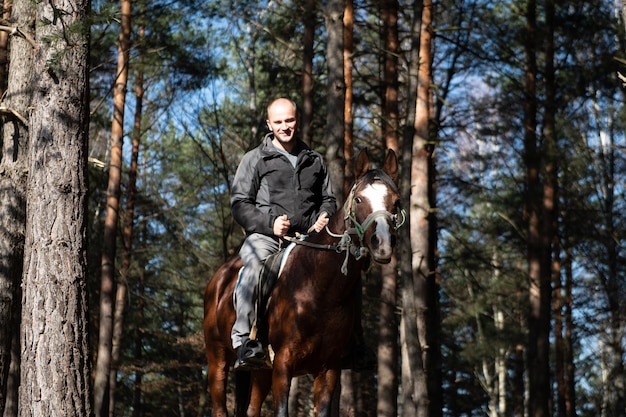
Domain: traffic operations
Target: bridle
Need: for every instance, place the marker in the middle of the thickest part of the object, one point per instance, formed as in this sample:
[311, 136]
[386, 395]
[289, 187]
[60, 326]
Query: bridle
[360, 228]
[354, 227]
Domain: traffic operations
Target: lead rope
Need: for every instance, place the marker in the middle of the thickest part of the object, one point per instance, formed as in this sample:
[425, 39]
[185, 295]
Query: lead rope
[348, 245]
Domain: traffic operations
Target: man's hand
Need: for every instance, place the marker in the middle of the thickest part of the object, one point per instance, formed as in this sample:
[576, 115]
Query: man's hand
[281, 225]
[320, 223]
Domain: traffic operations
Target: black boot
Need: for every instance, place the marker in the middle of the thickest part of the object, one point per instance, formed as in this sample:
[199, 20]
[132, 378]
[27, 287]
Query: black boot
[250, 356]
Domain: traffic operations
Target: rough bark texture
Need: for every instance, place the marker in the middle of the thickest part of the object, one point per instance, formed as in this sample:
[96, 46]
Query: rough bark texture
[55, 372]
[13, 177]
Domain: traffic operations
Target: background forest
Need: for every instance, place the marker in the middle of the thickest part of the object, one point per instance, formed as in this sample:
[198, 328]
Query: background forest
[524, 158]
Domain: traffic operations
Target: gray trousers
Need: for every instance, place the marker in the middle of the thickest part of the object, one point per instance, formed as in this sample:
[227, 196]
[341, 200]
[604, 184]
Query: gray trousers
[256, 247]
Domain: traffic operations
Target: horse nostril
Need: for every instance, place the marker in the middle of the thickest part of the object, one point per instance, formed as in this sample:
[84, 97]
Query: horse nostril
[374, 241]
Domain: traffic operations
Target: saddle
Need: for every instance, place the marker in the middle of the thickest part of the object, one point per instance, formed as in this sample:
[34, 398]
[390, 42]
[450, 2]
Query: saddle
[267, 279]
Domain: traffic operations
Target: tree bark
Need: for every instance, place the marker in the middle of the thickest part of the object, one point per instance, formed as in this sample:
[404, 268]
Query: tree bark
[415, 267]
[387, 404]
[308, 38]
[107, 284]
[127, 233]
[335, 96]
[348, 50]
[56, 367]
[13, 182]
[538, 242]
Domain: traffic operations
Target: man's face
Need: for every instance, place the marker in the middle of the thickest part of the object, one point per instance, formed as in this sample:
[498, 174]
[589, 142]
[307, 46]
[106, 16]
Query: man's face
[281, 120]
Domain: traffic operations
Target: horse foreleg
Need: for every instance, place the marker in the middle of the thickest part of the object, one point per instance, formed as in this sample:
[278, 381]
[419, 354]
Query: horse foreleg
[217, 376]
[323, 389]
[281, 383]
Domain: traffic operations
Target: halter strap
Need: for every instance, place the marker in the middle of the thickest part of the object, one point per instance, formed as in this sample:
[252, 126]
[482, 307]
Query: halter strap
[359, 228]
[346, 243]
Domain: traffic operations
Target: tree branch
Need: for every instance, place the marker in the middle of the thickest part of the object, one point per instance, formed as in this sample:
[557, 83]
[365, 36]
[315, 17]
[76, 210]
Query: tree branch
[8, 110]
[16, 31]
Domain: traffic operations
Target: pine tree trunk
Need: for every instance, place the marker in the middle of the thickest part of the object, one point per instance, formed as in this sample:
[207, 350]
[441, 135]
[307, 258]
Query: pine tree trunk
[413, 378]
[387, 404]
[538, 273]
[335, 96]
[107, 284]
[308, 38]
[348, 50]
[335, 88]
[420, 375]
[55, 372]
[127, 234]
[13, 181]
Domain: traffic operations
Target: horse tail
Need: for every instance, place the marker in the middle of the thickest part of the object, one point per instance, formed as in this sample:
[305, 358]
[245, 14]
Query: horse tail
[242, 392]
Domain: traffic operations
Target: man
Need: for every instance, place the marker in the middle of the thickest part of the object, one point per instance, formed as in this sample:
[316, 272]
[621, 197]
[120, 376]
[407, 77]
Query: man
[281, 188]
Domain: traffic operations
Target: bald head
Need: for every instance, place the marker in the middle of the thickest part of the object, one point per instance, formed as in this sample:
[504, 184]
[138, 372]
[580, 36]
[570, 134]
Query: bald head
[281, 120]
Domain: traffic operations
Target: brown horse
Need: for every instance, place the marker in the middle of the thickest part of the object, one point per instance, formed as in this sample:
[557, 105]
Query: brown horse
[312, 307]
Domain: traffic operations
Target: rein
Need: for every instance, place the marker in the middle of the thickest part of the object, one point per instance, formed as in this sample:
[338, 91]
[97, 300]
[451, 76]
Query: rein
[346, 243]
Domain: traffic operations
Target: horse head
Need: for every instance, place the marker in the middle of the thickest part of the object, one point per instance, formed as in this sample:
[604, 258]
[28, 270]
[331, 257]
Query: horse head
[373, 209]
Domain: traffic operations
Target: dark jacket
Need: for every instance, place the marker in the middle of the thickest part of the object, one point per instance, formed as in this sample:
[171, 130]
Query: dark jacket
[266, 186]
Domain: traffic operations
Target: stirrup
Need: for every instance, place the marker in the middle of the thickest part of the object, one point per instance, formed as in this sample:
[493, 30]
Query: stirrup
[250, 356]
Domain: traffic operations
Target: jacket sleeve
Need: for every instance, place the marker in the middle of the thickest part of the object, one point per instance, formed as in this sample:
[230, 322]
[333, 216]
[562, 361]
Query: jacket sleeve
[243, 197]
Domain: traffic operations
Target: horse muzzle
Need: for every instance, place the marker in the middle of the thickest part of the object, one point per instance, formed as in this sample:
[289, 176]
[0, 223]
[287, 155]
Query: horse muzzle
[381, 245]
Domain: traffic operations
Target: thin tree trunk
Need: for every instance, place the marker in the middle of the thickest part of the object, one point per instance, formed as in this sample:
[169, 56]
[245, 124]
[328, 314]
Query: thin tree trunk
[387, 404]
[107, 285]
[333, 15]
[308, 38]
[56, 366]
[348, 50]
[412, 372]
[13, 181]
[335, 95]
[127, 233]
[419, 269]
[538, 242]
[423, 224]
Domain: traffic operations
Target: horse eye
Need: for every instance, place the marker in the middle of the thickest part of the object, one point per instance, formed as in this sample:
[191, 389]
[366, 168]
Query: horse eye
[358, 200]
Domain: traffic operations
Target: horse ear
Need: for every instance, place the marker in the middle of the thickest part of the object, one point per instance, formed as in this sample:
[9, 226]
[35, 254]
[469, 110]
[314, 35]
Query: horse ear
[362, 163]
[391, 166]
